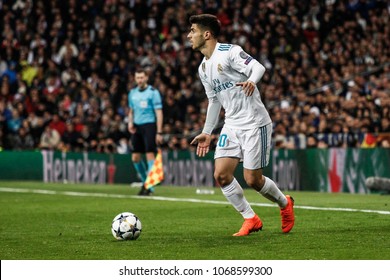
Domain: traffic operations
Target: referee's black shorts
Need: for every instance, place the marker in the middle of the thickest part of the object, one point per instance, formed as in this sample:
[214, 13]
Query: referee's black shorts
[144, 140]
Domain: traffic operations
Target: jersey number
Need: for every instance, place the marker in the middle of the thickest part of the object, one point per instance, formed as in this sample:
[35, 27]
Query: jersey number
[222, 140]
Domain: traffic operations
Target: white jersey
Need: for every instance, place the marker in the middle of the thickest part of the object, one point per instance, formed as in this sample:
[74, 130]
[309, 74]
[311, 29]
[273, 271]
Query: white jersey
[228, 65]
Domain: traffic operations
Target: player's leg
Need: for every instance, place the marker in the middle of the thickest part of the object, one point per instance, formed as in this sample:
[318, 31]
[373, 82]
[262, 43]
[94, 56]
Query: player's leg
[231, 189]
[223, 174]
[138, 149]
[265, 186]
[150, 147]
[227, 157]
[257, 145]
[140, 167]
[149, 138]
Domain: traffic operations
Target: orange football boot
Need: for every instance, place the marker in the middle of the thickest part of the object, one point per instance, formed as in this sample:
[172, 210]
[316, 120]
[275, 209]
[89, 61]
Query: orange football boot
[287, 214]
[250, 225]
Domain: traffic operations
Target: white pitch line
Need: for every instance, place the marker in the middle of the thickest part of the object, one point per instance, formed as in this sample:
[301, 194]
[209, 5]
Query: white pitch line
[193, 200]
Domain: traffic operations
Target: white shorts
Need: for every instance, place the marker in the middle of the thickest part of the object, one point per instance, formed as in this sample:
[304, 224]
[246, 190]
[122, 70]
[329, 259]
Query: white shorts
[250, 146]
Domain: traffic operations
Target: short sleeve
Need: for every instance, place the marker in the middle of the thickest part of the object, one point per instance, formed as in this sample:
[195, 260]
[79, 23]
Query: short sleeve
[157, 102]
[131, 105]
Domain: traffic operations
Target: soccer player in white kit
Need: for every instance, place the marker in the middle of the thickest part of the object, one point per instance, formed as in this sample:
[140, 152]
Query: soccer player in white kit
[229, 76]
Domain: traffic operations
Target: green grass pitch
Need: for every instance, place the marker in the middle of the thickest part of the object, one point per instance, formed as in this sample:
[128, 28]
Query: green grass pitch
[42, 221]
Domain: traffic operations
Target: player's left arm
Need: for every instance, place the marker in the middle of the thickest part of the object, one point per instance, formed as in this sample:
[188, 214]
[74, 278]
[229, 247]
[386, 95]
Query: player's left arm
[247, 65]
[157, 104]
[159, 124]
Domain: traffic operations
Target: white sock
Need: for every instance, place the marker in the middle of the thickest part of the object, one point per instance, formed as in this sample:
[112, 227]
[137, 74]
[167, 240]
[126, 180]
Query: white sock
[235, 195]
[272, 192]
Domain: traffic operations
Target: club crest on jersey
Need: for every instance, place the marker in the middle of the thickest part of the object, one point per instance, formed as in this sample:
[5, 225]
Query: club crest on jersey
[204, 67]
[219, 68]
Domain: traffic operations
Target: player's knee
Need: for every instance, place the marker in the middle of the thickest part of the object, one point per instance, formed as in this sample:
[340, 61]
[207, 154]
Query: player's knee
[222, 178]
[252, 183]
[255, 182]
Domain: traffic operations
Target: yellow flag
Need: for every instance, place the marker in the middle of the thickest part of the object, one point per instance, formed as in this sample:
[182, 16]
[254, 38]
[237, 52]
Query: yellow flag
[156, 174]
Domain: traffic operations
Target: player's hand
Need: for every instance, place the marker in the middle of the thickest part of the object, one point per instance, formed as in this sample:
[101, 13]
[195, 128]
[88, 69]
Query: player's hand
[159, 139]
[248, 87]
[131, 128]
[203, 140]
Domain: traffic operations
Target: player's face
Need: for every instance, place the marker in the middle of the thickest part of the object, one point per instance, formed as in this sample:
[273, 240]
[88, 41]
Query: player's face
[196, 38]
[141, 79]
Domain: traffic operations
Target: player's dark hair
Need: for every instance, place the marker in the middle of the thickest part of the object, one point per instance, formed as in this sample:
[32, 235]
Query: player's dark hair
[141, 70]
[207, 22]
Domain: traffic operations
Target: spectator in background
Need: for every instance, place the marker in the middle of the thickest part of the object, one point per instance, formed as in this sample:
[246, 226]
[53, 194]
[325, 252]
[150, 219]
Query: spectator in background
[67, 52]
[23, 140]
[85, 138]
[50, 139]
[70, 138]
[15, 122]
[312, 141]
[58, 124]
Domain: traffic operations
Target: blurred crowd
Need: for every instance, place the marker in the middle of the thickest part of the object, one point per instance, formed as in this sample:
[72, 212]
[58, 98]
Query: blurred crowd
[66, 68]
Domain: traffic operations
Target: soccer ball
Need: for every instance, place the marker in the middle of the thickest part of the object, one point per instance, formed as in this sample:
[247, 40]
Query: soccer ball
[126, 226]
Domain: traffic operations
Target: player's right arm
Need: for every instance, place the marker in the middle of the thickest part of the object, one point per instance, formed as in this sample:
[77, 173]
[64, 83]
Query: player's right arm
[204, 139]
[212, 116]
[214, 107]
